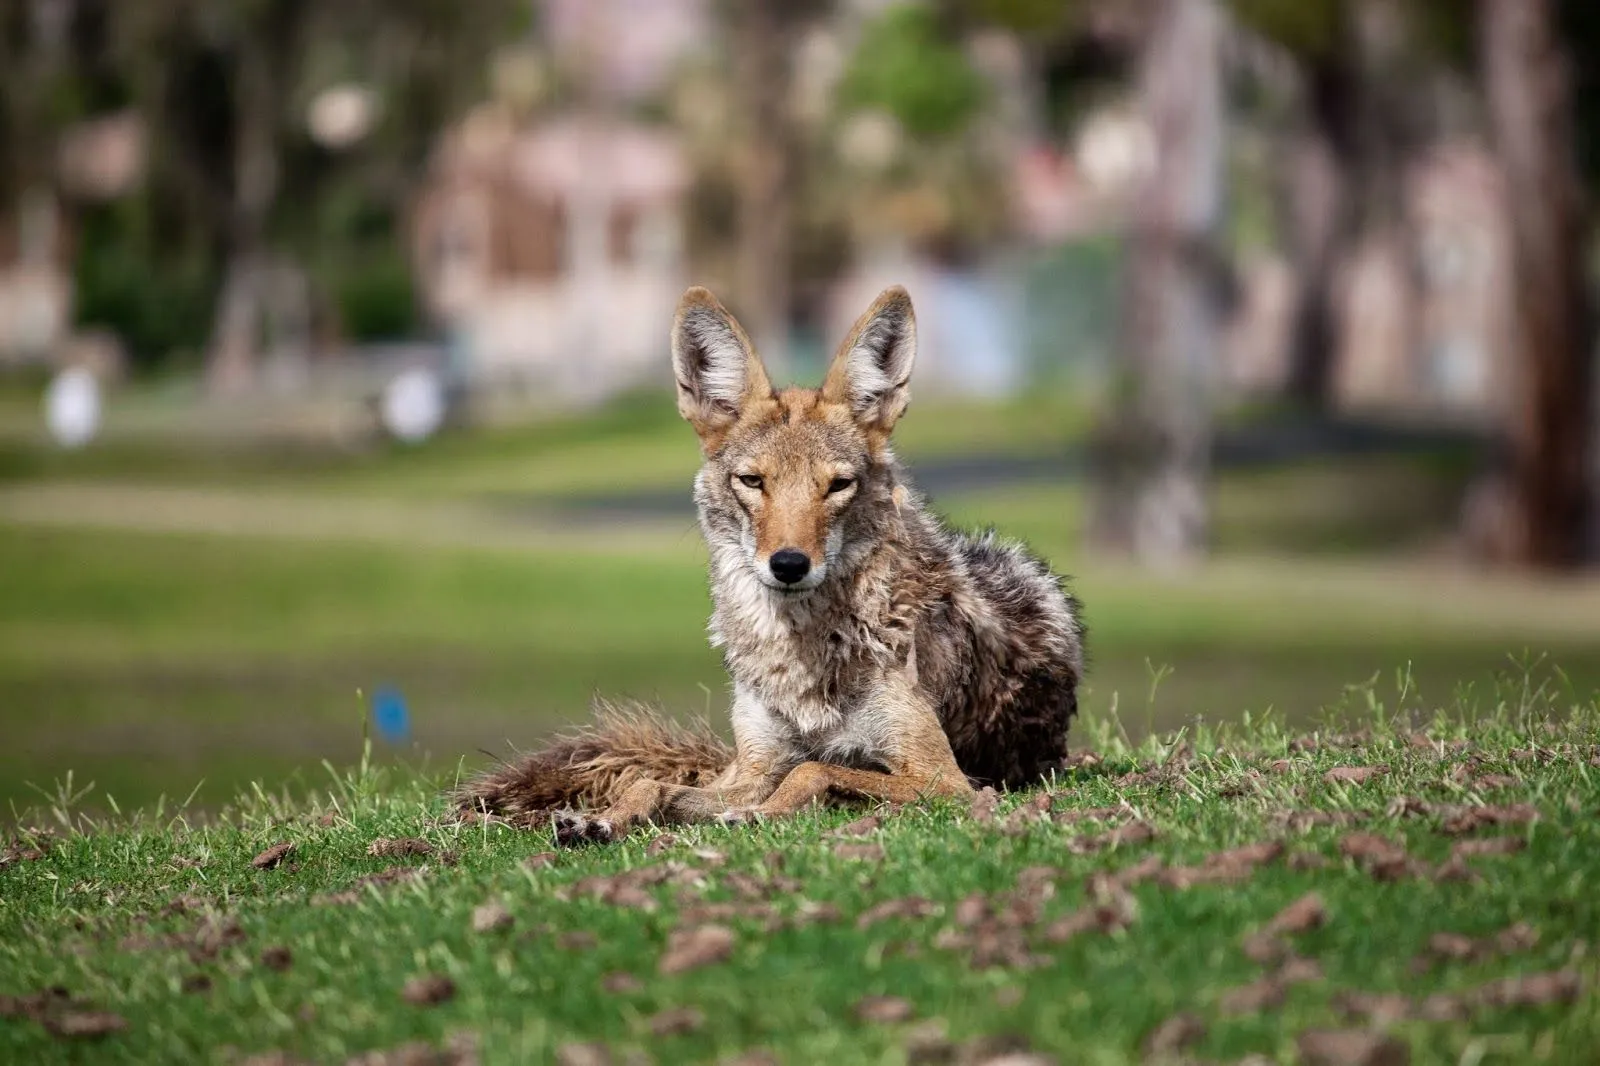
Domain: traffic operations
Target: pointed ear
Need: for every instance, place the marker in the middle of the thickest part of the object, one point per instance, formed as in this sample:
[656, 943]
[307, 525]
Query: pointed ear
[871, 369]
[715, 367]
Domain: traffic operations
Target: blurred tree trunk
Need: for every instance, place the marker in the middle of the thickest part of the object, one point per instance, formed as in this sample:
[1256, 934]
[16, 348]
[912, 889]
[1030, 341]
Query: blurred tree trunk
[1155, 450]
[1346, 184]
[1546, 494]
[765, 174]
[238, 334]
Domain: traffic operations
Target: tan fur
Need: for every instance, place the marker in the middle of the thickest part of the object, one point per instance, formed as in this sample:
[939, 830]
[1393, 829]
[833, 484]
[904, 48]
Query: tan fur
[595, 765]
[899, 657]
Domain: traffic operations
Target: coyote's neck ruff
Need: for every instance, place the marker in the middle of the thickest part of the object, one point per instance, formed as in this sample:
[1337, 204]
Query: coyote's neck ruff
[873, 652]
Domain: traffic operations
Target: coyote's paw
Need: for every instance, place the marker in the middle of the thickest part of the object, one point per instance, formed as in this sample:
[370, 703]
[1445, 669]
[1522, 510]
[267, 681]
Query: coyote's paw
[574, 829]
[739, 816]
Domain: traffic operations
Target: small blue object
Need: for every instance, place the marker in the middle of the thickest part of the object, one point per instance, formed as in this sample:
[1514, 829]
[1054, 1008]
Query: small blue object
[390, 715]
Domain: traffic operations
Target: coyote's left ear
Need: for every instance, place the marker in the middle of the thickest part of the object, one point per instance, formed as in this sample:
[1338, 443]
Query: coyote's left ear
[873, 365]
[716, 368]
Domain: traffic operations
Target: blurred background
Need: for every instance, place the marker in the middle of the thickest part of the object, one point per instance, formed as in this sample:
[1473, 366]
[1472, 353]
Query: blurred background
[334, 386]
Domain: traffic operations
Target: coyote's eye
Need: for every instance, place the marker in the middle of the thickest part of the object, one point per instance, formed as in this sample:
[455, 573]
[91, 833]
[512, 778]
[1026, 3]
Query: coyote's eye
[840, 484]
[750, 481]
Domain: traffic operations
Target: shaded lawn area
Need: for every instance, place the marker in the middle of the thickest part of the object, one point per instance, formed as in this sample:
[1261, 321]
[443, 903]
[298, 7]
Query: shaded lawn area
[1424, 885]
[145, 663]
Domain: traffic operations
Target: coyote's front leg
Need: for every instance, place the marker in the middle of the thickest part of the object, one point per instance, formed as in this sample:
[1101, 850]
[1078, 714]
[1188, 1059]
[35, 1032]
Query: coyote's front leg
[916, 750]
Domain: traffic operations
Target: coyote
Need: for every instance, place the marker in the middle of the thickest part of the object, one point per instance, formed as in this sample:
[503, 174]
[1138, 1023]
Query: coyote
[874, 653]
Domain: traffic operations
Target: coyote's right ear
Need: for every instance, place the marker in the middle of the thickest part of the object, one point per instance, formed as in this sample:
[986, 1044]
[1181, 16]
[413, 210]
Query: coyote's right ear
[716, 368]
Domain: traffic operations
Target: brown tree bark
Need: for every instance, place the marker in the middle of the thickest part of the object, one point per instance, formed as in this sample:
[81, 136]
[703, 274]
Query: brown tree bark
[1155, 453]
[1546, 493]
[1346, 179]
[765, 172]
[237, 333]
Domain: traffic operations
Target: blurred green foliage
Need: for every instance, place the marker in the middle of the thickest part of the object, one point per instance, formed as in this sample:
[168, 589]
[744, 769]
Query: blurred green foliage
[906, 65]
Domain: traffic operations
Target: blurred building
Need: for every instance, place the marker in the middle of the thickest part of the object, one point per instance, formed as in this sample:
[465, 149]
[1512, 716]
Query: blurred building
[35, 281]
[552, 253]
[97, 160]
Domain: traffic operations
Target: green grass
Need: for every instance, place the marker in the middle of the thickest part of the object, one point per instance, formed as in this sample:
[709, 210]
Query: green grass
[96, 914]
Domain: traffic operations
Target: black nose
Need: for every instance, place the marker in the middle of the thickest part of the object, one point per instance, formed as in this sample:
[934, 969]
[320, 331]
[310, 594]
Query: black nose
[789, 565]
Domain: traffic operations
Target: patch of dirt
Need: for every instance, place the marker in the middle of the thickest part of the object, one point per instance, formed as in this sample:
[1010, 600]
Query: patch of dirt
[676, 1020]
[1307, 912]
[1384, 859]
[460, 1049]
[278, 958]
[213, 935]
[1456, 947]
[860, 827]
[703, 945]
[1537, 989]
[985, 806]
[627, 889]
[1353, 775]
[884, 1010]
[1030, 813]
[1178, 1033]
[759, 911]
[1123, 836]
[274, 855]
[1351, 1047]
[491, 917]
[1226, 867]
[1473, 849]
[1301, 821]
[1270, 991]
[539, 861]
[1380, 1009]
[621, 983]
[661, 843]
[61, 1014]
[583, 1055]
[399, 847]
[1470, 819]
[907, 907]
[860, 852]
[1246, 784]
[1074, 815]
[356, 891]
[428, 990]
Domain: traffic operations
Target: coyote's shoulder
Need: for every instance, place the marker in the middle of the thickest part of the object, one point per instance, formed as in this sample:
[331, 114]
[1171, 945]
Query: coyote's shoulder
[873, 651]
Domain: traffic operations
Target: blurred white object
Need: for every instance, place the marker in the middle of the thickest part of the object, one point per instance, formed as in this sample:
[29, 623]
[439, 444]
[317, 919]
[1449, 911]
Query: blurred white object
[72, 407]
[413, 405]
[1115, 150]
[342, 115]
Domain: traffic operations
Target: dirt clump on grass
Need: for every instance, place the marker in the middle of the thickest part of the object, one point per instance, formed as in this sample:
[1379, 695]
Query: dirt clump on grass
[884, 1010]
[676, 1020]
[277, 958]
[62, 1014]
[689, 949]
[1178, 1033]
[1351, 1047]
[272, 857]
[356, 891]
[428, 990]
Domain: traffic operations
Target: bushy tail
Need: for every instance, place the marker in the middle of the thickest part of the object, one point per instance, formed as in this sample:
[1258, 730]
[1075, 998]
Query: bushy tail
[594, 765]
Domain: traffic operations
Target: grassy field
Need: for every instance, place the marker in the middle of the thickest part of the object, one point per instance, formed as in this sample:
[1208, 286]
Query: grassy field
[1313, 895]
[176, 616]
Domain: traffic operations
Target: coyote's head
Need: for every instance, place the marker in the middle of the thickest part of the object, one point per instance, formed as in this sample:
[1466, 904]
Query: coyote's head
[795, 478]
